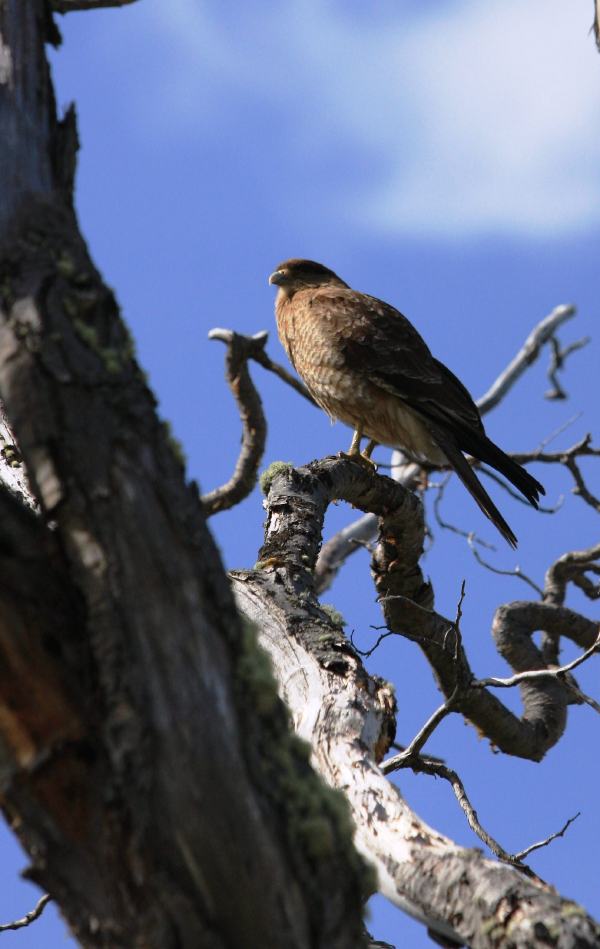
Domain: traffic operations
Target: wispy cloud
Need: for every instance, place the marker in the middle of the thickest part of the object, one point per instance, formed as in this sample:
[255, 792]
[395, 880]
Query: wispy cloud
[460, 117]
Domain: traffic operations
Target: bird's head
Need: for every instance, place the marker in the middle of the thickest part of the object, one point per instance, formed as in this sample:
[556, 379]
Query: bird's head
[296, 274]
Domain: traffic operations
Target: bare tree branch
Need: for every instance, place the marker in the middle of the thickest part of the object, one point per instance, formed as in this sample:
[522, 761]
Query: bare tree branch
[282, 373]
[545, 699]
[425, 765]
[366, 653]
[256, 351]
[559, 356]
[531, 674]
[596, 24]
[241, 349]
[254, 426]
[338, 548]
[571, 568]
[413, 750]
[529, 352]
[541, 508]
[515, 572]
[30, 917]
[451, 704]
[356, 535]
[376, 943]
[567, 458]
[547, 840]
[581, 698]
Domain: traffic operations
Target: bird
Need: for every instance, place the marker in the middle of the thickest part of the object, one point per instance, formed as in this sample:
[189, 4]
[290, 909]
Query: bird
[366, 365]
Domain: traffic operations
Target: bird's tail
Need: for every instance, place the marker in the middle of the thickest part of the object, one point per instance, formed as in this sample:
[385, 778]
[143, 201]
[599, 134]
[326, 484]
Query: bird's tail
[489, 453]
[476, 489]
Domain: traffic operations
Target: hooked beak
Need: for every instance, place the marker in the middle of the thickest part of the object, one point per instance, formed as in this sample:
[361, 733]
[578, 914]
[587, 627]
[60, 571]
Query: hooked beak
[277, 277]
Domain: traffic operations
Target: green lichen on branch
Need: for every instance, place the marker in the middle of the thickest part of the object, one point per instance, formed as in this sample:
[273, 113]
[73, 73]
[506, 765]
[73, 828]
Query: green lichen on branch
[315, 818]
[255, 672]
[267, 477]
[112, 359]
[334, 615]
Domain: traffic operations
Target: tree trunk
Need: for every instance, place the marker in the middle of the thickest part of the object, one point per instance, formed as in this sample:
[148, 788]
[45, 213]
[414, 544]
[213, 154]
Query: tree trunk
[146, 760]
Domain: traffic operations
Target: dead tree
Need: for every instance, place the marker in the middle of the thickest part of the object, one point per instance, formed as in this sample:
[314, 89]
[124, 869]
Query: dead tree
[147, 762]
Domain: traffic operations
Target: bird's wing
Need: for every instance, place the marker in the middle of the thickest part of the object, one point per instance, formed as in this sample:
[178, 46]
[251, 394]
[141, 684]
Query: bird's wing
[380, 343]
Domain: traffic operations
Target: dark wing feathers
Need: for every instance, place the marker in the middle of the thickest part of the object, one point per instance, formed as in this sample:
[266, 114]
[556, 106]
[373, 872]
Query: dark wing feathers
[379, 341]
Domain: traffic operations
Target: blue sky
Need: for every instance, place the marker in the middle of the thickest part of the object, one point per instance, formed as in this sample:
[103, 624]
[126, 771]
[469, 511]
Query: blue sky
[443, 156]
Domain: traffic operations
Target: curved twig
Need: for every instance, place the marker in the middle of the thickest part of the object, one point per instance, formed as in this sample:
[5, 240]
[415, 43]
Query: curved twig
[571, 568]
[240, 349]
[557, 362]
[29, 917]
[568, 458]
[425, 765]
[547, 840]
[515, 572]
[254, 426]
[531, 674]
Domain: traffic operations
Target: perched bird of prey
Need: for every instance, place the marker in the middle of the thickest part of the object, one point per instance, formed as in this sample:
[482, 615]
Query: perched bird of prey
[365, 364]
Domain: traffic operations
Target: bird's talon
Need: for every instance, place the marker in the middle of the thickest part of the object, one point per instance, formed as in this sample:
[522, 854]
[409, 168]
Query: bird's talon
[367, 458]
[360, 457]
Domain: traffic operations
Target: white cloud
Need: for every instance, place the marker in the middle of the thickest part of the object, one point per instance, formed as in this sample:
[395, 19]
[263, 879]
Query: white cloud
[474, 117]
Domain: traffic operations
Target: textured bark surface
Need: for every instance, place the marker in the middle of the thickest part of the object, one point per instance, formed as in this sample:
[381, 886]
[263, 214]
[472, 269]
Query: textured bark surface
[146, 760]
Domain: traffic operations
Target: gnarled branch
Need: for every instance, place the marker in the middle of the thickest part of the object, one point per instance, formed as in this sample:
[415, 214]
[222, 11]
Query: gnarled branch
[348, 718]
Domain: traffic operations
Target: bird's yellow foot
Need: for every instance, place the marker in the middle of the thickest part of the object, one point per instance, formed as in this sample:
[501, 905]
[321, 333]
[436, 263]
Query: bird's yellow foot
[360, 457]
[368, 451]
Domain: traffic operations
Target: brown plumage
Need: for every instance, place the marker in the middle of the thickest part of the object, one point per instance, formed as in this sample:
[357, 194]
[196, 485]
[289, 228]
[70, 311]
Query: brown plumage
[365, 364]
